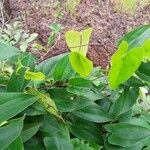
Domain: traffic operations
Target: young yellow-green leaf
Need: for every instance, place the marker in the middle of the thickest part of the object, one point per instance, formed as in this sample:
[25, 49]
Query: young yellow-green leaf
[116, 64]
[85, 38]
[147, 48]
[131, 62]
[80, 64]
[78, 41]
[34, 76]
[124, 64]
[73, 40]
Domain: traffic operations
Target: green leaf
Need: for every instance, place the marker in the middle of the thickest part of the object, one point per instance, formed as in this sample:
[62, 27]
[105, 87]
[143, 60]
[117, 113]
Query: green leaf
[78, 41]
[55, 27]
[56, 143]
[124, 103]
[134, 82]
[34, 144]
[13, 103]
[30, 130]
[147, 48]
[52, 39]
[124, 66]
[136, 37]
[48, 104]
[15, 145]
[86, 130]
[48, 66]
[10, 132]
[126, 134]
[7, 51]
[35, 76]
[93, 113]
[90, 93]
[17, 81]
[80, 64]
[67, 102]
[110, 146]
[63, 69]
[52, 127]
[144, 71]
[80, 82]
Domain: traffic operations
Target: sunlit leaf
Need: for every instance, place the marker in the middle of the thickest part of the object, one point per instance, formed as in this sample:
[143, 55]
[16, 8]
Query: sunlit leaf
[80, 64]
[34, 76]
[78, 41]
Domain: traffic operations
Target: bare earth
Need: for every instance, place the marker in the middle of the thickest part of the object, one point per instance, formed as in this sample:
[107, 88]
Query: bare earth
[108, 25]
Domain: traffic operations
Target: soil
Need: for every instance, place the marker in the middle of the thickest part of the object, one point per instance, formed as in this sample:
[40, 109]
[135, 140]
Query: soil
[108, 24]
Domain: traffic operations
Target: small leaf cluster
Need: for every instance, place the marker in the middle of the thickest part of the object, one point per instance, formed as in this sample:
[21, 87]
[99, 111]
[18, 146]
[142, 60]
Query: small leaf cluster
[64, 103]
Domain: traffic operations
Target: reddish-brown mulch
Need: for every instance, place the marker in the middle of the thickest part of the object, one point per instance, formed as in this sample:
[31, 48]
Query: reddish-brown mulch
[108, 25]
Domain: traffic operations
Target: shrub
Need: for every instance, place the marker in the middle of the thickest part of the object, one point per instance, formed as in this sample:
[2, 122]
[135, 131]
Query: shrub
[63, 103]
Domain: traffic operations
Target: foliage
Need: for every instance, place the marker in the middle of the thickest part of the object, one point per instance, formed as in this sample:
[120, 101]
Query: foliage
[16, 36]
[63, 103]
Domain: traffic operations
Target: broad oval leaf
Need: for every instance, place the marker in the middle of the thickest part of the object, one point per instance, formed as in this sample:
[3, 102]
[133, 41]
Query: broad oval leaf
[93, 113]
[10, 132]
[80, 64]
[128, 131]
[13, 103]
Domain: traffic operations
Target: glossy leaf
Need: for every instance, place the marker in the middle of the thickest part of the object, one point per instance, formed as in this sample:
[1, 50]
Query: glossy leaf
[126, 134]
[93, 113]
[137, 37]
[80, 64]
[13, 103]
[10, 132]
[85, 130]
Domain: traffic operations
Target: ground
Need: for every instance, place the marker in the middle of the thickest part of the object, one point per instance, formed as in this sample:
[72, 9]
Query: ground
[108, 24]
